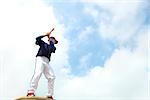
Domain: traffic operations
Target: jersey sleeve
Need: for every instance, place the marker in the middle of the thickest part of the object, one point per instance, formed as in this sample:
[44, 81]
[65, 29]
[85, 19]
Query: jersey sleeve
[39, 40]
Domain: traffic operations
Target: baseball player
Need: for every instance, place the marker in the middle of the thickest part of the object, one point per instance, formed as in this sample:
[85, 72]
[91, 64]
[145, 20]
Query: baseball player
[43, 66]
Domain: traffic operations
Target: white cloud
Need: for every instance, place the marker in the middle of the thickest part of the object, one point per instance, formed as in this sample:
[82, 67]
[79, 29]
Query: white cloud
[21, 21]
[118, 18]
[110, 1]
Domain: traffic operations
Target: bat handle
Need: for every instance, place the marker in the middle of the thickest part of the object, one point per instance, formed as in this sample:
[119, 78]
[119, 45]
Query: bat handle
[50, 32]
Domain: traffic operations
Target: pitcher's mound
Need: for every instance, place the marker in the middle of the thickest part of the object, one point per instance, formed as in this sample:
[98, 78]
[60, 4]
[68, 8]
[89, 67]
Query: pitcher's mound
[32, 98]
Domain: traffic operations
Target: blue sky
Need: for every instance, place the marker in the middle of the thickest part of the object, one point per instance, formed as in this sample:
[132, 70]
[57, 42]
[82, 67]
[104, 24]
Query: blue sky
[74, 17]
[103, 45]
[76, 20]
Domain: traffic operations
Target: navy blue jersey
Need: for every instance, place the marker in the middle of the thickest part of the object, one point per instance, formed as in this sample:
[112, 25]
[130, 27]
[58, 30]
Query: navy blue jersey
[45, 49]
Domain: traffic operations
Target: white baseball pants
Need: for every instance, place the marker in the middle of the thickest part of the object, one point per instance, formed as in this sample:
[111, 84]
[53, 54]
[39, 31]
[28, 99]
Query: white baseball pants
[43, 66]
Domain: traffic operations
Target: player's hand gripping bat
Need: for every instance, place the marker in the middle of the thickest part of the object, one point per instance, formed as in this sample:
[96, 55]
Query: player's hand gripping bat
[49, 33]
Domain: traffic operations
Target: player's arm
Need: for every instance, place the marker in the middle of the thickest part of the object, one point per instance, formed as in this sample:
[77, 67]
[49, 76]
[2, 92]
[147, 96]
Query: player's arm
[39, 40]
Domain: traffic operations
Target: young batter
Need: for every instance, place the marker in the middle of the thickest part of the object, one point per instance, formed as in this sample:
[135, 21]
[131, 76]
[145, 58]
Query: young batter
[43, 66]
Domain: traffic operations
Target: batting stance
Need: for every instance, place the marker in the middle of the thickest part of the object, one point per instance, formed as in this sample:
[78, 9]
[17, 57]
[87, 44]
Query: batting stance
[43, 66]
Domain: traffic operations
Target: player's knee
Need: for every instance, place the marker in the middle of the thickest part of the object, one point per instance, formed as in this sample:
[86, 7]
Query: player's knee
[51, 77]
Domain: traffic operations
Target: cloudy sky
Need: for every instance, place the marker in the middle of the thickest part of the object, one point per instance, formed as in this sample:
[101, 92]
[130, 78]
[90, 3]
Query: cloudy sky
[102, 54]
